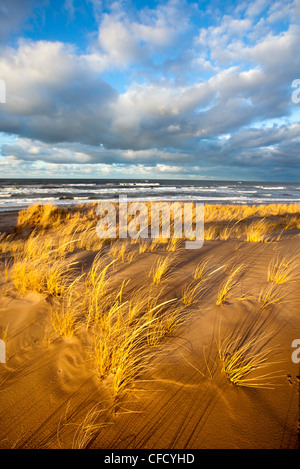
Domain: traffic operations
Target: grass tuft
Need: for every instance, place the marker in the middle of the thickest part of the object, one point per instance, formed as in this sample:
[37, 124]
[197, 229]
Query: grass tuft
[243, 364]
[227, 287]
[269, 295]
[280, 270]
[161, 268]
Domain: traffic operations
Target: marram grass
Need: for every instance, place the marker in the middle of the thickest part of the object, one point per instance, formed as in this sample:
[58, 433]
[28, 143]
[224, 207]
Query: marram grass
[225, 289]
[280, 270]
[245, 362]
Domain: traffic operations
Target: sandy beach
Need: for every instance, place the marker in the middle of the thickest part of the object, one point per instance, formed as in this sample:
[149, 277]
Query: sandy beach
[150, 228]
[210, 367]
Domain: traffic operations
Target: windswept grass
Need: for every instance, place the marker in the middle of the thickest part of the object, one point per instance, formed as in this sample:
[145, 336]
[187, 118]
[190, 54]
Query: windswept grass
[225, 233]
[120, 250]
[243, 364]
[269, 295]
[124, 338]
[130, 358]
[39, 215]
[173, 244]
[133, 349]
[88, 428]
[66, 312]
[143, 246]
[41, 275]
[102, 351]
[201, 269]
[154, 244]
[210, 232]
[161, 268]
[227, 286]
[192, 292]
[162, 319]
[293, 223]
[64, 317]
[97, 291]
[280, 270]
[126, 326]
[127, 331]
[259, 231]
[218, 212]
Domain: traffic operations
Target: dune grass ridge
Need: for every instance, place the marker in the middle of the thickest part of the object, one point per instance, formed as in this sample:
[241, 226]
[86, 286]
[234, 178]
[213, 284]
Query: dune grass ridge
[124, 303]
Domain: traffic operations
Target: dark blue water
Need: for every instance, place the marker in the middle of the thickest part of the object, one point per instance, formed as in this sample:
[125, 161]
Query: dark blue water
[19, 193]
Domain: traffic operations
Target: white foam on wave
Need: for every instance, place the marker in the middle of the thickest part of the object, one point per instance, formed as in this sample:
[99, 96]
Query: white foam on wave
[271, 188]
[20, 196]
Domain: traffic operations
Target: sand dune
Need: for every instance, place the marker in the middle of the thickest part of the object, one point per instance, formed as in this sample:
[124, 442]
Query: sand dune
[51, 396]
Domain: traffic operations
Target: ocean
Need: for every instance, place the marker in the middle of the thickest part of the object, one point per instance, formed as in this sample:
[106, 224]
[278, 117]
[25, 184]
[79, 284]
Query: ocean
[16, 194]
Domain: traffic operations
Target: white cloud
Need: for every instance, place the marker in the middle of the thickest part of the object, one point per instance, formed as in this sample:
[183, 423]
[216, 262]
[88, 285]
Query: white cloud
[123, 40]
[256, 7]
[117, 42]
[64, 112]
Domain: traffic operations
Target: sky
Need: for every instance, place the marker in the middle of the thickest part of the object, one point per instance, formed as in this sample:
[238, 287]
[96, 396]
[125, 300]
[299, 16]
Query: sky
[172, 89]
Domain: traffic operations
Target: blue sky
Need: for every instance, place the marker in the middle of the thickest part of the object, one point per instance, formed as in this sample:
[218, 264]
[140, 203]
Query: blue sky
[158, 89]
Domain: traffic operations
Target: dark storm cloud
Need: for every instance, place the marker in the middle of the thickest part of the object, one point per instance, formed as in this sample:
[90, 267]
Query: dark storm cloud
[14, 14]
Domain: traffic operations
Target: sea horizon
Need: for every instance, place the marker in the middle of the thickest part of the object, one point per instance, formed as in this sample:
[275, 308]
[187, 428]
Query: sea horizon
[19, 193]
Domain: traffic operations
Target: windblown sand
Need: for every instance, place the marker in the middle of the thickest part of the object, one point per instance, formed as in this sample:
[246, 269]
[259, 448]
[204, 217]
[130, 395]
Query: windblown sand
[184, 400]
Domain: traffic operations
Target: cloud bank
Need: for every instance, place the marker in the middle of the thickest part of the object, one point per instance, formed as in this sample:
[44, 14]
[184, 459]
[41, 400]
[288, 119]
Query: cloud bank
[171, 90]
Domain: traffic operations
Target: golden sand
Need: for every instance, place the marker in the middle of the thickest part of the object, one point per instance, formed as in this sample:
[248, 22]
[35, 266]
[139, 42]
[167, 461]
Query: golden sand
[146, 344]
